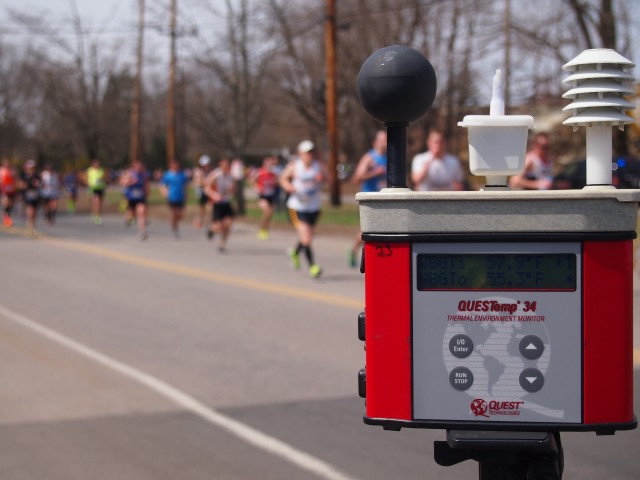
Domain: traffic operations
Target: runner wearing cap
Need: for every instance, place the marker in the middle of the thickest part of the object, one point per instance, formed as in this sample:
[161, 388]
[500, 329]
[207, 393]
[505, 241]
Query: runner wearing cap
[303, 179]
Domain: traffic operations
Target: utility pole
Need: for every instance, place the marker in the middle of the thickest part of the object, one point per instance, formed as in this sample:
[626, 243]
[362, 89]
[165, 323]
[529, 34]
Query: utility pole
[171, 93]
[331, 101]
[135, 143]
[507, 55]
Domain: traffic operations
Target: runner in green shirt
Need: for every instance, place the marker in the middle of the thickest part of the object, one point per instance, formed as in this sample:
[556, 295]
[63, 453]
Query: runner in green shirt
[97, 182]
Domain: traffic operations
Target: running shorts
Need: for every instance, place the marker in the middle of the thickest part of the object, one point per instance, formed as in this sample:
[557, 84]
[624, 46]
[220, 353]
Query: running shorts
[222, 210]
[310, 218]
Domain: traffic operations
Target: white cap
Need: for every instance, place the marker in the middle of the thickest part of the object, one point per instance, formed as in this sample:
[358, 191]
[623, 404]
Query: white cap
[204, 160]
[306, 146]
[30, 163]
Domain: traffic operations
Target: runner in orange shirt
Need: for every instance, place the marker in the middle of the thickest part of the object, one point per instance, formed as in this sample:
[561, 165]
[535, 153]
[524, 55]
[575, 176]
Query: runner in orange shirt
[8, 192]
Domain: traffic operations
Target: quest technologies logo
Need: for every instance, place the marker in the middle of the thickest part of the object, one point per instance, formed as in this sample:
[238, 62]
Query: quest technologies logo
[482, 408]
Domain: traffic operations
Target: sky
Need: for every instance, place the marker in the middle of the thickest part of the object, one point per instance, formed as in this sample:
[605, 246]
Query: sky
[112, 20]
[115, 21]
[111, 14]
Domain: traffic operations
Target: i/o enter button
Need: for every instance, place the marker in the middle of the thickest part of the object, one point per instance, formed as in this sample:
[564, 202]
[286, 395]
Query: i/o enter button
[460, 346]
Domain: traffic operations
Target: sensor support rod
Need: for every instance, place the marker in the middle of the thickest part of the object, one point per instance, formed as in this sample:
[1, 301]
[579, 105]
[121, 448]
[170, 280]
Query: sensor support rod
[599, 154]
[396, 154]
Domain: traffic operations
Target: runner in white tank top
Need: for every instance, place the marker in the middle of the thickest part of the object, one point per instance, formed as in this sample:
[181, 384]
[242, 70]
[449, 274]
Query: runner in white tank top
[303, 179]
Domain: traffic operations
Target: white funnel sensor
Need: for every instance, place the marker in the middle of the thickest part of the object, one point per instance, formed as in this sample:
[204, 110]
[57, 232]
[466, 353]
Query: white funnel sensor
[599, 80]
[497, 142]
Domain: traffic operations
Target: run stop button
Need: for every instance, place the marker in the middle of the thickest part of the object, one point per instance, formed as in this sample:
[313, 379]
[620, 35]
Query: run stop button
[461, 378]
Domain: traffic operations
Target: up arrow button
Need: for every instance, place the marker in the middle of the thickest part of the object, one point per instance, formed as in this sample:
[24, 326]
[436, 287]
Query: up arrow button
[531, 347]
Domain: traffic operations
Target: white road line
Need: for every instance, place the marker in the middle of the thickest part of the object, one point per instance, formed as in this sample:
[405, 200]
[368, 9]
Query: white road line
[245, 432]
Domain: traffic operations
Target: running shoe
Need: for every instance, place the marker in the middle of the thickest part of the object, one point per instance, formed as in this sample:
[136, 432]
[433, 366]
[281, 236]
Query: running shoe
[315, 270]
[144, 236]
[295, 259]
[209, 235]
[97, 220]
[6, 220]
[263, 234]
[351, 256]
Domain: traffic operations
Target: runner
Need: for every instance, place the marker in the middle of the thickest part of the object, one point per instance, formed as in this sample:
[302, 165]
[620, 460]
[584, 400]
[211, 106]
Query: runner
[220, 188]
[71, 184]
[303, 179]
[371, 174]
[200, 175]
[136, 188]
[8, 192]
[173, 186]
[266, 181]
[29, 187]
[49, 193]
[96, 180]
[238, 174]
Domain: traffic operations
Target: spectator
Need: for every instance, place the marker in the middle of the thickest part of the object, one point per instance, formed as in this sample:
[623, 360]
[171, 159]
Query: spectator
[537, 173]
[436, 170]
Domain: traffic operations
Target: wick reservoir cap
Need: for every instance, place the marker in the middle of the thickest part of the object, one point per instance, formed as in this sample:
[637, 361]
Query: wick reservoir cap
[496, 107]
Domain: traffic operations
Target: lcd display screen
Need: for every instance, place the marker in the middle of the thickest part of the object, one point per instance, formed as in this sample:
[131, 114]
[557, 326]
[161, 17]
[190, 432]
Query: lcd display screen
[501, 272]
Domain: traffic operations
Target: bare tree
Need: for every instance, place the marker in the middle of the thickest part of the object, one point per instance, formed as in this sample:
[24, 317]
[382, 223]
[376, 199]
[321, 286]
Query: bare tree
[230, 91]
[256, 78]
[14, 87]
[449, 33]
[560, 31]
[298, 29]
[73, 80]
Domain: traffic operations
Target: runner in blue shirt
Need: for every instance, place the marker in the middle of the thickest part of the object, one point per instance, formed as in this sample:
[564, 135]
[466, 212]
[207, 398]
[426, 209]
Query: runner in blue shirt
[174, 182]
[136, 188]
[371, 173]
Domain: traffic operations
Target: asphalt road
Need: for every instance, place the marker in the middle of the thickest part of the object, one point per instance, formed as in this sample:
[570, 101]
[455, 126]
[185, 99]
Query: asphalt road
[122, 359]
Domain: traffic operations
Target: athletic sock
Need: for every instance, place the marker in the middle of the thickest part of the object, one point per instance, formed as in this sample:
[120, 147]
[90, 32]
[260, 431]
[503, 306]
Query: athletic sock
[309, 254]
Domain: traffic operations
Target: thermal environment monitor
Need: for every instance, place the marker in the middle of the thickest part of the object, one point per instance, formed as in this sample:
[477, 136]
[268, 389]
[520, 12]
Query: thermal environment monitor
[498, 310]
